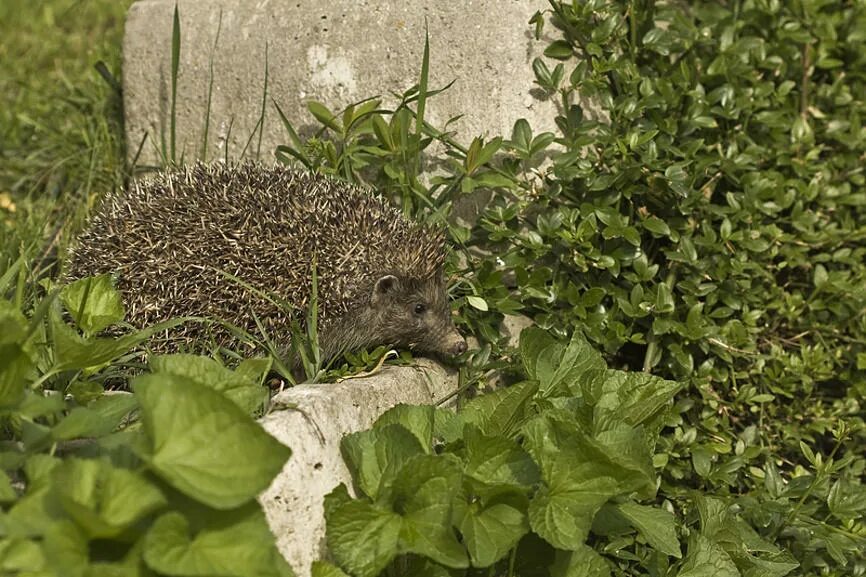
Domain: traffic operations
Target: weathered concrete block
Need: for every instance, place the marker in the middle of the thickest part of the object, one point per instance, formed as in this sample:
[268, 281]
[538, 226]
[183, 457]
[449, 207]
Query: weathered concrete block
[337, 52]
[317, 417]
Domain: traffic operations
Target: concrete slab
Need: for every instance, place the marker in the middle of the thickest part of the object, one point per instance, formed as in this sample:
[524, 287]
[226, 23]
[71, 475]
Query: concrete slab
[315, 419]
[337, 52]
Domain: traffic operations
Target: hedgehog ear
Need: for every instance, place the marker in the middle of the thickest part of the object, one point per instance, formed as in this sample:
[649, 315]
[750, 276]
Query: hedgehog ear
[385, 286]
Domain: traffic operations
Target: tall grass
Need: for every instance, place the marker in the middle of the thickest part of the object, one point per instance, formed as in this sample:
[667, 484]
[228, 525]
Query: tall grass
[61, 122]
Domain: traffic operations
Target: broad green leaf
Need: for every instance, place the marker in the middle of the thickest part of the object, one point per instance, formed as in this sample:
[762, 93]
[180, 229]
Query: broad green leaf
[447, 425]
[67, 550]
[490, 533]
[21, 556]
[577, 361]
[580, 475]
[72, 351]
[114, 406]
[423, 493]
[582, 562]
[325, 569]
[240, 544]
[82, 422]
[104, 500]
[499, 412]
[634, 397]
[417, 419]
[93, 303]
[656, 525]
[707, 559]
[254, 370]
[245, 390]
[563, 515]
[497, 460]
[33, 514]
[15, 368]
[203, 444]
[375, 456]
[15, 363]
[558, 367]
[533, 341]
[362, 537]
[521, 135]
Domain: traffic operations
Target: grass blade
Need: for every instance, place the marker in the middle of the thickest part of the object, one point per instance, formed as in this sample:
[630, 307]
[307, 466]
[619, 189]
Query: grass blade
[175, 66]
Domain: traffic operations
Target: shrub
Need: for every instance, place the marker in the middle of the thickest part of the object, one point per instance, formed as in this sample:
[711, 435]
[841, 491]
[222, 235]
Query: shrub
[701, 218]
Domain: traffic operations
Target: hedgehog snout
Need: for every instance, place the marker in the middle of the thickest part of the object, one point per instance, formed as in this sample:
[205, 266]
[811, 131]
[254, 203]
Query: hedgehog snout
[455, 344]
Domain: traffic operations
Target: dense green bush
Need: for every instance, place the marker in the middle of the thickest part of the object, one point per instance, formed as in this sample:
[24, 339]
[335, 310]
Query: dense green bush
[700, 217]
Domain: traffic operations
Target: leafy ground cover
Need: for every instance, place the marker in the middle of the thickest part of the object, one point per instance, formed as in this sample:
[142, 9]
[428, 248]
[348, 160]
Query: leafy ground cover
[690, 243]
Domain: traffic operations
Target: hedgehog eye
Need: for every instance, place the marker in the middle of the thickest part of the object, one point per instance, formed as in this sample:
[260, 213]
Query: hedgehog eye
[420, 308]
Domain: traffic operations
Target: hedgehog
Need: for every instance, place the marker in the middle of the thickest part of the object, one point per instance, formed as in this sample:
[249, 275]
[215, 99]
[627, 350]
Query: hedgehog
[237, 243]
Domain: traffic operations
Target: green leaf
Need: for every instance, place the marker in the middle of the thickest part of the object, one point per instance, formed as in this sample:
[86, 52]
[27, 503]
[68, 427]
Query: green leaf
[7, 493]
[656, 525]
[242, 386]
[558, 367]
[362, 537]
[580, 474]
[664, 299]
[578, 360]
[15, 363]
[66, 548]
[71, 351]
[15, 367]
[820, 276]
[93, 303]
[657, 226]
[325, 569]
[582, 562]
[501, 411]
[237, 543]
[634, 397]
[559, 49]
[423, 492]
[497, 460]
[417, 419]
[707, 559]
[104, 500]
[490, 533]
[521, 135]
[477, 302]
[375, 456]
[323, 115]
[563, 515]
[21, 556]
[203, 444]
[82, 422]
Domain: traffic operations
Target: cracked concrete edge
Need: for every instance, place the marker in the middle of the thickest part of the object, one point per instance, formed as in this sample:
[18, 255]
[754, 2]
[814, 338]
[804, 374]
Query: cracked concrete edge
[314, 421]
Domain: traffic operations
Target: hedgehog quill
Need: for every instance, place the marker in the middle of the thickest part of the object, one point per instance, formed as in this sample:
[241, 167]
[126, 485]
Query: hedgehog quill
[174, 243]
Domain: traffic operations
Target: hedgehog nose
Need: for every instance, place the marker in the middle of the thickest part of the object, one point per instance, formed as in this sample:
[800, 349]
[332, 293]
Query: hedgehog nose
[459, 347]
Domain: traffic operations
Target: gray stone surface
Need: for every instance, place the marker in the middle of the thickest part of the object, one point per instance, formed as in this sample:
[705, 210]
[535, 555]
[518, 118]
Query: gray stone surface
[316, 417]
[336, 52]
